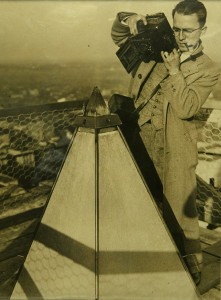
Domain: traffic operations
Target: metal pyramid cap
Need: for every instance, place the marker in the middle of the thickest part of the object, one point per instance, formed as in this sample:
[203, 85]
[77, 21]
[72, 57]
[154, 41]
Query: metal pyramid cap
[97, 114]
[96, 105]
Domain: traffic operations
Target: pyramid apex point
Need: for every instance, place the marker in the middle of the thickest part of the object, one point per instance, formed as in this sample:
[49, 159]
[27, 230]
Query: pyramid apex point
[96, 104]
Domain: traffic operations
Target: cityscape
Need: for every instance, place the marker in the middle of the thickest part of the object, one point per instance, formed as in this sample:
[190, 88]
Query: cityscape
[41, 84]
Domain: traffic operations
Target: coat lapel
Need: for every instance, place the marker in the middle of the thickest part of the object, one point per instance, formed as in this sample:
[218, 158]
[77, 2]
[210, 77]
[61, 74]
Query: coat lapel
[158, 74]
[143, 71]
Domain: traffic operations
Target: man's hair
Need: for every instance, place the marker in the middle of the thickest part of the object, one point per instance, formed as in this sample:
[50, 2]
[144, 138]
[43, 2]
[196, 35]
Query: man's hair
[189, 7]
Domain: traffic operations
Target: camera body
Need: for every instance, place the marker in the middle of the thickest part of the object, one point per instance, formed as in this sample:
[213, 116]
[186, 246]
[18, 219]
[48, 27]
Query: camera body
[151, 39]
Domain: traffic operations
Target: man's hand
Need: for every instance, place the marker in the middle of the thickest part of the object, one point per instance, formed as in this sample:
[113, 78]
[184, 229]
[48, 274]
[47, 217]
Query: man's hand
[171, 61]
[132, 22]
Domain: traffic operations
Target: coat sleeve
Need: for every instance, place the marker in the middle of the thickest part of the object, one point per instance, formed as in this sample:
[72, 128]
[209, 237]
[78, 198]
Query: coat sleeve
[119, 31]
[187, 99]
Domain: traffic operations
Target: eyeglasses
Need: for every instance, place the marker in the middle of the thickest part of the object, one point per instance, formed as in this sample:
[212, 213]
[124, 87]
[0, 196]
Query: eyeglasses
[185, 31]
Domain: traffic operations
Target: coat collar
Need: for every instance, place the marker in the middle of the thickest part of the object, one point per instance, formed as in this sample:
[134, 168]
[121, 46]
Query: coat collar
[193, 55]
[191, 64]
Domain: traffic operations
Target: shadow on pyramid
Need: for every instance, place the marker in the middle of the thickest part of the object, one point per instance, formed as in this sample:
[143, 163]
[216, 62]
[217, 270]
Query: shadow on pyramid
[102, 236]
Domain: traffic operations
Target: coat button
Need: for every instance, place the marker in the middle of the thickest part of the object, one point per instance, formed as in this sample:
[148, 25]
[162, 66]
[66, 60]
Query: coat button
[139, 76]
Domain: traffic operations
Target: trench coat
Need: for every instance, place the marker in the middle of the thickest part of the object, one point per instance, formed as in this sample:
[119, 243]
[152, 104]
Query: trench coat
[182, 95]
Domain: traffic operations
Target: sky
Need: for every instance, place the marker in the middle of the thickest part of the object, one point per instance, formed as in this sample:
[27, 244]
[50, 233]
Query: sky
[64, 31]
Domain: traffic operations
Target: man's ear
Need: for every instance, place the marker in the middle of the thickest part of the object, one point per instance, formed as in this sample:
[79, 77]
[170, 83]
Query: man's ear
[203, 30]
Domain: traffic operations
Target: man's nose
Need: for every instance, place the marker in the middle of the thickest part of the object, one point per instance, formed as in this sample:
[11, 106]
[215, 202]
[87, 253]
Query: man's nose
[181, 35]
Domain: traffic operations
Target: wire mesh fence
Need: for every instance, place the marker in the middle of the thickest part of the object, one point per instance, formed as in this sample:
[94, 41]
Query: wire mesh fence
[208, 122]
[33, 144]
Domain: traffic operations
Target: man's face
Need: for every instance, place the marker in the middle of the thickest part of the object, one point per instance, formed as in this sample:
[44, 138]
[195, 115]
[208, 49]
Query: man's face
[187, 31]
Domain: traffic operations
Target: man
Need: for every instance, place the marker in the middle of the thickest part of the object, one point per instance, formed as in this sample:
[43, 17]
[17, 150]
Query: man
[184, 80]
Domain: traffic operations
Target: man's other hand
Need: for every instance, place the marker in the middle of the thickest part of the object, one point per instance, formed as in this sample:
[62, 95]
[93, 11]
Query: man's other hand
[132, 22]
[171, 61]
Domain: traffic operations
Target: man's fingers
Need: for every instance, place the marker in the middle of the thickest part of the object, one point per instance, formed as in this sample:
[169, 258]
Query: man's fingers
[132, 23]
[133, 29]
[163, 55]
[141, 18]
[170, 56]
[144, 19]
[175, 52]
